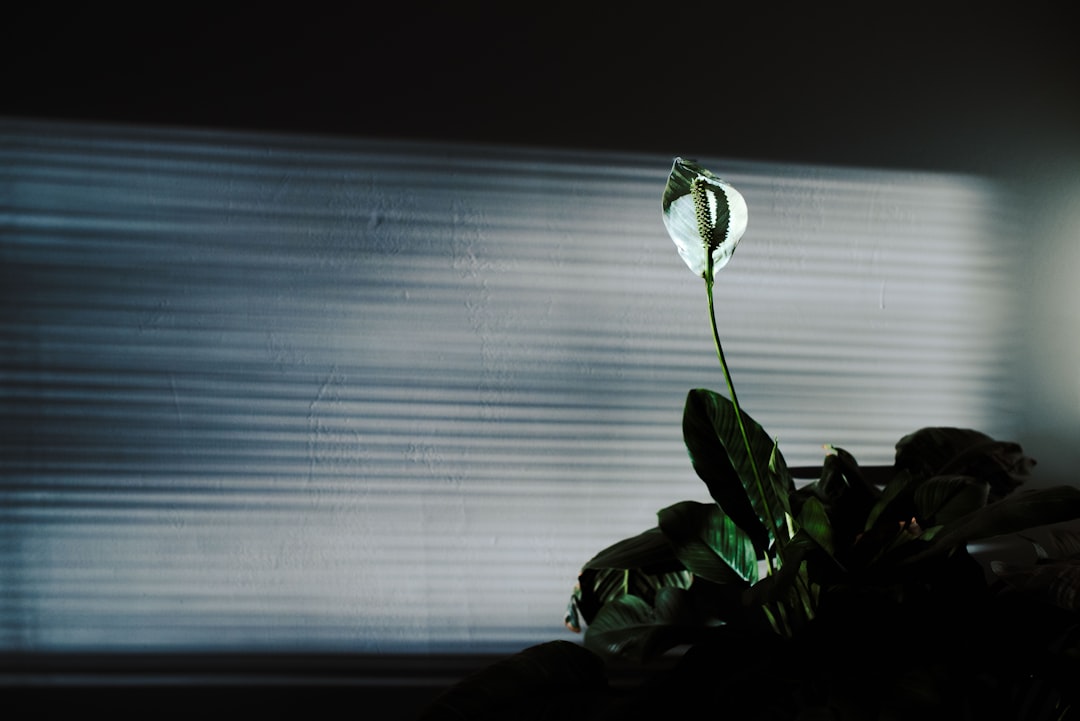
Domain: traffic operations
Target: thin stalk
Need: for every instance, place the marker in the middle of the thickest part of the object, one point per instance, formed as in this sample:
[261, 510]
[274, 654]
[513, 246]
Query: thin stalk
[735, 405]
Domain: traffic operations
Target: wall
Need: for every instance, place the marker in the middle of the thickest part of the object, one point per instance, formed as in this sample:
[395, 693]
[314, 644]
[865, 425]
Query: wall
[1050, 369]
[280, 393]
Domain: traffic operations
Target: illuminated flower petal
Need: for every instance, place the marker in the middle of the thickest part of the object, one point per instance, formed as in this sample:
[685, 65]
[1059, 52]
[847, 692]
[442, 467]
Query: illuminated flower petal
[703, 214]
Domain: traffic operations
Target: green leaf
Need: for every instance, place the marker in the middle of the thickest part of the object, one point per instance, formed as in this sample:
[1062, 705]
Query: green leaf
[599, 586]
[718, 454]
[846, 495]
[895, 503]
[1062, 544]
[639, 565]
[1056, 581]
[780, 477]
[789, 596]
[814, 521]
[630, 628]
[1018, 512]
[942, 499]
[947, 451]
[649, 551]
[928, 451]
[709, 543]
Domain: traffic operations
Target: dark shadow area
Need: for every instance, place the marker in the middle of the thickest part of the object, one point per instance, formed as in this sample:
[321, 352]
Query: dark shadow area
[935, 87]
[223, 686]
[220, 701]
[230, 686]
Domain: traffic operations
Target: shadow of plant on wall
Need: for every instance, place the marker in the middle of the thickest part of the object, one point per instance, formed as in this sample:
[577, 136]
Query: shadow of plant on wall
[853, 596]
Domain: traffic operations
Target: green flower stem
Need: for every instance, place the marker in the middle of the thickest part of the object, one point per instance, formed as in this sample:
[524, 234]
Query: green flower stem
[735, 404]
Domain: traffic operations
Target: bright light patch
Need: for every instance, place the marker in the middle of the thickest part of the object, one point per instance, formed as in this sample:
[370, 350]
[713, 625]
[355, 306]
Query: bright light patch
[280, 393]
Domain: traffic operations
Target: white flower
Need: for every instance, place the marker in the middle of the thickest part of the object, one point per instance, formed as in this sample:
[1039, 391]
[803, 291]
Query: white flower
[703, 214]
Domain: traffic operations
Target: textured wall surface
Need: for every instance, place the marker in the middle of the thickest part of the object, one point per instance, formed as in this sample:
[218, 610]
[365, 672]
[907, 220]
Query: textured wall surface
[263, 392]
[1050, 367]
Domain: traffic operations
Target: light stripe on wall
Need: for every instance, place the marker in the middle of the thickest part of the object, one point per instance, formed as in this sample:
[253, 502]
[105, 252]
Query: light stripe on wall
[296, 394]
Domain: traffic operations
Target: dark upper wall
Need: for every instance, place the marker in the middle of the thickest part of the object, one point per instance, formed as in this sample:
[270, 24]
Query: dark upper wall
[978, 91]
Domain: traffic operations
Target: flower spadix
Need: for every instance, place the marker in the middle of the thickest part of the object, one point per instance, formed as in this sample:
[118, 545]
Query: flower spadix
[704, 215]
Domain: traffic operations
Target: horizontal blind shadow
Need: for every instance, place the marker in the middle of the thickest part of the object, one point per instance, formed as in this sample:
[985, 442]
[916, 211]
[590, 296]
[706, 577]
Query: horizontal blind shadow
[283, 394]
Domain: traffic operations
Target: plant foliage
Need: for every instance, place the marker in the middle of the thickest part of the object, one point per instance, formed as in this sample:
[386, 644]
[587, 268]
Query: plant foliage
[853, 596]
[863, 573]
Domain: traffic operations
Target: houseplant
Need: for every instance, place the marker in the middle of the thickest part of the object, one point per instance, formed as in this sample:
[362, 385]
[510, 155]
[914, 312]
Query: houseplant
[853, 596]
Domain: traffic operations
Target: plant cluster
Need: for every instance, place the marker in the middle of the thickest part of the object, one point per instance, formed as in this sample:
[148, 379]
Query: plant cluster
[850, 596]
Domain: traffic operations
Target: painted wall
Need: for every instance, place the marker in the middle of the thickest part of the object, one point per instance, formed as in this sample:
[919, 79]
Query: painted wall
[268, 392]
[1051, 359]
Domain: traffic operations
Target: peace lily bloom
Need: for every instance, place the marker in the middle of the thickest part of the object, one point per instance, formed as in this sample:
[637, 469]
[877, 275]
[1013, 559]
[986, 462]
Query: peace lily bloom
[704, 215]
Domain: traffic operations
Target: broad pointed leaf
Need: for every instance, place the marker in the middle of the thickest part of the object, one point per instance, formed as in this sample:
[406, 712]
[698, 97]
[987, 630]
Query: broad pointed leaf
[942, 499]
[788, 597]
[1056, 581]
[650, 551]
[599, 586]
[718, 453]
[814, 521]
[847, 497]
[1016, 513]
[1062, 544]
[781, 477]
[961, 451]
[630, 628]
[709, 543]
[637, 565]
[895, 503]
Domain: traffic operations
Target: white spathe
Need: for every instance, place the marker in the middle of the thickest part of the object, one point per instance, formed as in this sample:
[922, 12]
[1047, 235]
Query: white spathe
[702, 212]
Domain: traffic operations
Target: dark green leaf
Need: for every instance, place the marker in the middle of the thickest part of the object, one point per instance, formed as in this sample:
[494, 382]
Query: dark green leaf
[672, 607]
[630, 628]
[1016, 513]
[780, 477]
[1062, 544]
[896, 503]
[719, 456]
[1056, 581]
[846, 495]
[950, 451]
[709, 543]
[649, 551]
[927, 451]
[814, 521]
[599, 586]
[788, 596]
[942, 499]
[638, 565]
